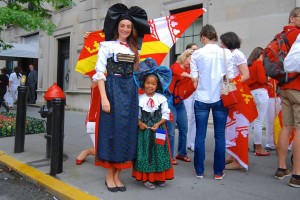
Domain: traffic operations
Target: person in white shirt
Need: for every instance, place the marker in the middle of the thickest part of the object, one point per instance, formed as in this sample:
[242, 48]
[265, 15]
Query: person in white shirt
[14, 83]
[208, 66]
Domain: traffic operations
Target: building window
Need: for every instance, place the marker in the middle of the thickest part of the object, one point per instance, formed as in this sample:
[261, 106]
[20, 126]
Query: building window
[190, 35]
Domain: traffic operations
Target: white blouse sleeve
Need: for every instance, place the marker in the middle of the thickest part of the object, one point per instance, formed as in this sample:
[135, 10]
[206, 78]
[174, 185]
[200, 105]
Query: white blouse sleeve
[103, 54]
[194, 69]
[165, 111]
[140, 113]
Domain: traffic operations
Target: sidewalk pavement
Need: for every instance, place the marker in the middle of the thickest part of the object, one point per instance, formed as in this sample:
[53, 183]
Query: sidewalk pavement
[86, 181]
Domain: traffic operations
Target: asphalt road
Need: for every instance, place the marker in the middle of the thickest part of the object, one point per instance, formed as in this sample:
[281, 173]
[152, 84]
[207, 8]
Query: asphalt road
[15, 187]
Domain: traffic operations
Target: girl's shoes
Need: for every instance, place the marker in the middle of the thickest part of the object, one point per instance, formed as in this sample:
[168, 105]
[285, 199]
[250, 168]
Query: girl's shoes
[174, 162]
[149, 185]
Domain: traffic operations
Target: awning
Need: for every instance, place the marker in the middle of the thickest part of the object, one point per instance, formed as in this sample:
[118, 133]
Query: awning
[21, 51]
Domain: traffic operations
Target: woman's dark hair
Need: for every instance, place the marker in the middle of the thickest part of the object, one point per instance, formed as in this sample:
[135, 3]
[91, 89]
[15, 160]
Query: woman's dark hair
[231, 40]
[4, 70]
[256, 52]
[210, 32]
[17, 71]
[159, 87]
[189, 46]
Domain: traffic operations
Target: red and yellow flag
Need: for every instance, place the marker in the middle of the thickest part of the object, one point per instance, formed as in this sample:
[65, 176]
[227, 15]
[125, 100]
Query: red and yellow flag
[247, 105]
[165, 31]
[88, 56]
[277, 129]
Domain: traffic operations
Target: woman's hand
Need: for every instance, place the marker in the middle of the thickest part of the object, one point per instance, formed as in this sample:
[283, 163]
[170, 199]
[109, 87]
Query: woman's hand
[105, 105]
[142, 125]
[86, 34]
[155, 126]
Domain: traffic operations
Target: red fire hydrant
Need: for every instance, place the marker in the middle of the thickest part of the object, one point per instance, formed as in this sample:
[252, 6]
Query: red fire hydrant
[55, 112]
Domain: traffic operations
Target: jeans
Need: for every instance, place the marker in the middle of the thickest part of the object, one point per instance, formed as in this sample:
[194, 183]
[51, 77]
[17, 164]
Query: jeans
[179, 118]
[219, 118]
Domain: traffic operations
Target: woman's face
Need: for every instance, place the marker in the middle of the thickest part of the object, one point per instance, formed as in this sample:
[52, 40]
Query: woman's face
[222, 45]
[124, 29]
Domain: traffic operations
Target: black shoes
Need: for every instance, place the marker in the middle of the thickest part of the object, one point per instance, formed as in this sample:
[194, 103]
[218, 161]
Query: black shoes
[122, 188]
[112, 189]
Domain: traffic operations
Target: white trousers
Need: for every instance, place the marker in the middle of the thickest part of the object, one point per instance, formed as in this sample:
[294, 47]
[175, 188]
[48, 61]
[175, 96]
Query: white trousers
[274, 107]
[191, 134]
[261, 98]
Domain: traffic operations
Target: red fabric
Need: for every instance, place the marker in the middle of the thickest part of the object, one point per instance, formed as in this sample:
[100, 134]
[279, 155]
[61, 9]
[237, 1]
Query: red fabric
[184, 85]
[272, 84]
[294, 84]
[240, 150]
[247, 106]
[94, 105]
[150, 103]
[258, 78]
[155, 176]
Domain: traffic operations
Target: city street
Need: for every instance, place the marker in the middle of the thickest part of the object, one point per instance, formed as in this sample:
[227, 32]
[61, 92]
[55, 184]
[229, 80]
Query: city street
[256, 184]
[13, 186]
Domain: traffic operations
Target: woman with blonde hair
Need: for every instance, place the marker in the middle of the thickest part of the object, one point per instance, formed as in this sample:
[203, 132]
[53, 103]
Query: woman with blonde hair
[180, 78]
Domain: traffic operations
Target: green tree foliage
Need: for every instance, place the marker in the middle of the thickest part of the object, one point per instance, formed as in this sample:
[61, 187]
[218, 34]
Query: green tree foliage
[30, 15]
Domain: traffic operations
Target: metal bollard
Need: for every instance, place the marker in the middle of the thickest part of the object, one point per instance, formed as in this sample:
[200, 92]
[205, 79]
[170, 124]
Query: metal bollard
[21, 117]
[57, 137]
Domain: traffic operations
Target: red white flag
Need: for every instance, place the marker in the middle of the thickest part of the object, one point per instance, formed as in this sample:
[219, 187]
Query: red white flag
[160, 136]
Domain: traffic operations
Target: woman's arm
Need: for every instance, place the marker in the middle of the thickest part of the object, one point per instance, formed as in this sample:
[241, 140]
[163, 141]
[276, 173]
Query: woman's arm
[244, 71]
[104, 101]
[155, 126]
[261, 73]
[9, 85]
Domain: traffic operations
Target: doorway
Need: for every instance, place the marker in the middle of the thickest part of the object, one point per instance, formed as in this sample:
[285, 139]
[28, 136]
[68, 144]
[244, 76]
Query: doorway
[63, 68]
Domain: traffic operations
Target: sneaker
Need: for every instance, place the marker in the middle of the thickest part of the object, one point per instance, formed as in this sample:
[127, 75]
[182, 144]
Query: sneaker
[218, 177]
[294, 182]
[281, 175]
[200, 176]
[270, 148]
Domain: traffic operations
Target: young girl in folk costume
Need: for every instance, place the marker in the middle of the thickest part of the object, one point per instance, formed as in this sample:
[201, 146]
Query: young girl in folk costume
[116, 137]
[153, 163]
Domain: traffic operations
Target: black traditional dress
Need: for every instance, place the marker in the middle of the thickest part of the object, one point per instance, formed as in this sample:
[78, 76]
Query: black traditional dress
[116, 140]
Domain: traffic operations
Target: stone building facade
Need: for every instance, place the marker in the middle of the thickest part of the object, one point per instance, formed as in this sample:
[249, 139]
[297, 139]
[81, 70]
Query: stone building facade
[255, 21]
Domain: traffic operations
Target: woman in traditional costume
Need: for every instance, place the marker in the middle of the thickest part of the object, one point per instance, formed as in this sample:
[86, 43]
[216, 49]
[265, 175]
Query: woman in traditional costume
[116, 140]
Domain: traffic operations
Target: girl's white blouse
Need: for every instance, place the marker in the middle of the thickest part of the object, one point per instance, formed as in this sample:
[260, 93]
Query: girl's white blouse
[107, 50]
[158, 99]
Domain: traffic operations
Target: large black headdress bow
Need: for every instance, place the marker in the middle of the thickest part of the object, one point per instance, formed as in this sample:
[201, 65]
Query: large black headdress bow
[118, 12]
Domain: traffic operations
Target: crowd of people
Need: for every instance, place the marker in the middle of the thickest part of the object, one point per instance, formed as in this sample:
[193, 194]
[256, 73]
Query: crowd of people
[138, 130]
[9, 84]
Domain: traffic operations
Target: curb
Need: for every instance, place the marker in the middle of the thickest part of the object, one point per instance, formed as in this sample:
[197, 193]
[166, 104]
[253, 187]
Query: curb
[54, 186]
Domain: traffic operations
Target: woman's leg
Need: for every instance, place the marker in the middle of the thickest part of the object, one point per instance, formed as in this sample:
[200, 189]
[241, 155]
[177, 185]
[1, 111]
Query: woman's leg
[117, 178]
[85, 153]
[182, 123]
[219, 116]
[201, 115]
[261, 98]
[110, 177]
[171, 128]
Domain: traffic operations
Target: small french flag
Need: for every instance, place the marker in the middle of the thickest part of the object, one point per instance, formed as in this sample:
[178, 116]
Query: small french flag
[160, 136]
